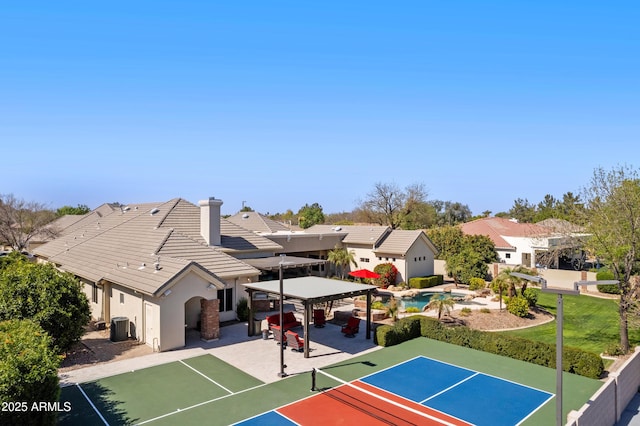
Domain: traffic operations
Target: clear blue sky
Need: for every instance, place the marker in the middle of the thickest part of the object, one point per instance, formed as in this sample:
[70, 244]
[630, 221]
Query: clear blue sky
[285, 103]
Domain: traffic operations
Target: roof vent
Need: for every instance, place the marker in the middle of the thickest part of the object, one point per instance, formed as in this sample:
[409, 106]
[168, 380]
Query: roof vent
[337, 228]
[126, 209]
[245, 216]
[154, 211]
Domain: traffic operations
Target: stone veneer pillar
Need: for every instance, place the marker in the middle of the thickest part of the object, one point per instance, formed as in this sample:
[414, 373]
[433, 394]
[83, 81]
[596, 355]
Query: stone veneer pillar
[209, 319]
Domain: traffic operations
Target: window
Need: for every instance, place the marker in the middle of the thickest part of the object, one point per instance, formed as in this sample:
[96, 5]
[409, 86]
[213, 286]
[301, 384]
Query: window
[122, 298]
[415, 259]
[226, 299]
[364, 259]
[94, 293]
[507, 255]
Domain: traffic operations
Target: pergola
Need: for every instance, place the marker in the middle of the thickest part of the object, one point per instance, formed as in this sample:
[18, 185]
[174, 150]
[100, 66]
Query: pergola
[311, 291]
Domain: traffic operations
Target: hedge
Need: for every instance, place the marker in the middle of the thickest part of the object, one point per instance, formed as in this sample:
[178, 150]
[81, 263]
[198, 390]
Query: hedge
[574, 360]
[426, 282]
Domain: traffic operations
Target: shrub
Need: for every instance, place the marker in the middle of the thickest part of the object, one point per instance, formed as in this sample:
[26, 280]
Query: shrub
[485, 310]
[614, 349]
[28, 371]
[575, 360]
[465, 312]
[52, 299]
[477, 283]
[532, 297]
[518, 306]
[388, 274]
[242, 309]
[412, 310]
[607, 274]
[378, 305]
[426, 282]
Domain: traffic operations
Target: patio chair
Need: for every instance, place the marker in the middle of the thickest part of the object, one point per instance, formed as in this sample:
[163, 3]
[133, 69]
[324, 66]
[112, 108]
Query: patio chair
[294, 341]
[351, 327]
[277, 335]
[319, 320]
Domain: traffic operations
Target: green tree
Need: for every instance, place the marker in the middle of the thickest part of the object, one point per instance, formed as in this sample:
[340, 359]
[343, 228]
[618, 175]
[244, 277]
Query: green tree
[441, 304]
[52, 299]
[451, 213]
[21, 220]
[510, 283]
[612, 215]
[341, 258]
[389, 205]
[523, 211]
[466, 256]
[28, 372]
[310, 215]
[78, 210]
[447, 239]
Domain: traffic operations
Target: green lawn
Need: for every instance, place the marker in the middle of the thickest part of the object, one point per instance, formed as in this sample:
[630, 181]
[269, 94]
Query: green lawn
[590, 323]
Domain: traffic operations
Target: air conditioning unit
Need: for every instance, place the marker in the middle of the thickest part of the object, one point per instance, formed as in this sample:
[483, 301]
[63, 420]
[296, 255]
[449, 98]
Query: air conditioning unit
[119, 329]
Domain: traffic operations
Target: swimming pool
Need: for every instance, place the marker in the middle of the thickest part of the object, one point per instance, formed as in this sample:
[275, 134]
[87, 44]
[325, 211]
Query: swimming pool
[421, 300]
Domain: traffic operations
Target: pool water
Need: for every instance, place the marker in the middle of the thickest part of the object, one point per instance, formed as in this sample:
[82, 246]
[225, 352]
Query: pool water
[421, 300]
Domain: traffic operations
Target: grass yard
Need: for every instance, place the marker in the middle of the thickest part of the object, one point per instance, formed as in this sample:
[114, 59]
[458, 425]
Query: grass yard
[590, 323]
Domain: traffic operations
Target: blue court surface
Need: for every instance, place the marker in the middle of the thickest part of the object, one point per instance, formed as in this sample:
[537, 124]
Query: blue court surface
[459, 393]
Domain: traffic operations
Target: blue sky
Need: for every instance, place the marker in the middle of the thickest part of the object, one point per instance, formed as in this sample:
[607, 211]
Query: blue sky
[284, 103]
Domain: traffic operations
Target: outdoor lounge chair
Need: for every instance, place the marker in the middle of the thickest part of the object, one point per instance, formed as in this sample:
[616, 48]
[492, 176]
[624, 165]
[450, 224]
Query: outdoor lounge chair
[277, 335]
[294, 341]
[351, 327]
[319, 320]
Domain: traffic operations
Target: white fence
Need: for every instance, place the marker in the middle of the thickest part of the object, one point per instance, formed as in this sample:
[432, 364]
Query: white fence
[555, 277]
[605, 407]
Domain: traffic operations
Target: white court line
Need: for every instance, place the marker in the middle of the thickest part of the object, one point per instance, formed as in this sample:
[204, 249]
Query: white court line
[449, 388]
[206, 377]
[180, 410]
[93, 406]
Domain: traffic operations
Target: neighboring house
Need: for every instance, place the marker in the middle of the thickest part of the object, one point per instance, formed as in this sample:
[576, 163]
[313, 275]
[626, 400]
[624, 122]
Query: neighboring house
[529, 244]
[52, 230]
[412, 252]
[165, 266]
[309, 243]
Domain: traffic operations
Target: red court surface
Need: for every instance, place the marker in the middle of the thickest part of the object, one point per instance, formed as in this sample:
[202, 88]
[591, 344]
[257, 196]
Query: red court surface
[345, 405]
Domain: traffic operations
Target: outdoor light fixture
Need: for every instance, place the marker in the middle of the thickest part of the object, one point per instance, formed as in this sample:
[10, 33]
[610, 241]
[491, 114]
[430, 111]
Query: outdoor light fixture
[166, 293]
[559, 325]
[281, 311]
[211, 287]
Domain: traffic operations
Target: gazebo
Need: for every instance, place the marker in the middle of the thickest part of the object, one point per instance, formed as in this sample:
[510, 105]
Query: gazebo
[310, 290]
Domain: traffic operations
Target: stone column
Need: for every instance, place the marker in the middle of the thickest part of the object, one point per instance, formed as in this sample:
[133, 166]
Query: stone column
[209, 319]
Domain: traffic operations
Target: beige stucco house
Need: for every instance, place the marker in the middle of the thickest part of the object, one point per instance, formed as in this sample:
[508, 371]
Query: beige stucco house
[166, 266]
[412, 252]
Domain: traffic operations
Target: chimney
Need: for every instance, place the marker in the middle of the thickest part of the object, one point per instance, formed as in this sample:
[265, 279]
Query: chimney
[210, 220]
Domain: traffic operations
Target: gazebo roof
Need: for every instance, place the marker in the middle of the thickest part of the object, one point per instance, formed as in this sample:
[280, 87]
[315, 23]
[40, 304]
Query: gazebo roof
[312, 289]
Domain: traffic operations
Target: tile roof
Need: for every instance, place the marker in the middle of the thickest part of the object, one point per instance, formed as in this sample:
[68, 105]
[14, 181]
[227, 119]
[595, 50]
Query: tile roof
[256, 222]
[123, 244]
[355, 234]
[496, 227]
[400, 241]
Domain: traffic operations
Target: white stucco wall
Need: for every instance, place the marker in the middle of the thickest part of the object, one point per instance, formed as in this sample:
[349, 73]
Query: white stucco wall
[172, 309]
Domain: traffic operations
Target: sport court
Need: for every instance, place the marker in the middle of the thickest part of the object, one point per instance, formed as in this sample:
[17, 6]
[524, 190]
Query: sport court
[418, 391]
[454, 385]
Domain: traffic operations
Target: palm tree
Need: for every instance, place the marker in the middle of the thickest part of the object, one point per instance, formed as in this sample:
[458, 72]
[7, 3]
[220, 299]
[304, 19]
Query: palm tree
[342, 258]
[441, 303]
[505, 280]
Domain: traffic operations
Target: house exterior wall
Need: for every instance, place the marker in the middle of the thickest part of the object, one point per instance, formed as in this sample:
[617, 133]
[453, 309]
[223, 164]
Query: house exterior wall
[95, 307]
[419, 261]
[524, 246]
[127, 303]
[172, 312]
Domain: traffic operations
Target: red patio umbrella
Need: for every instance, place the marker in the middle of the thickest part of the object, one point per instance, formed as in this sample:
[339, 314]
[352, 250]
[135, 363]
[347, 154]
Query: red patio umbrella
[364, 273]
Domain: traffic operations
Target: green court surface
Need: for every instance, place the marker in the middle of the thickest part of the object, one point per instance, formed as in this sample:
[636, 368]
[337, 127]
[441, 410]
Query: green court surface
[206, 390]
